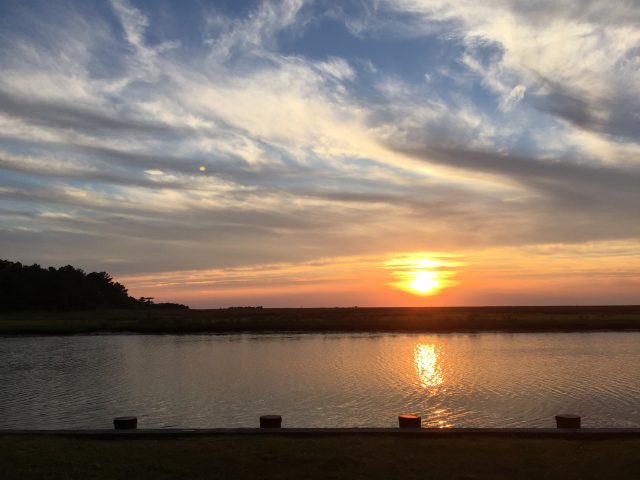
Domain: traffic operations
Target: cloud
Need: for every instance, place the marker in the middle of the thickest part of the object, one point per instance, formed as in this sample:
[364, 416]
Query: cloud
[561, 192]
[525, 132]
[580, 59]
[615, 115]
[61, 115]
[254, 33]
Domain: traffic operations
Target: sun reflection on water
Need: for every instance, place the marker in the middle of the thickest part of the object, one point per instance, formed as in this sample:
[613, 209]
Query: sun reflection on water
[426, 357]
[440, 419]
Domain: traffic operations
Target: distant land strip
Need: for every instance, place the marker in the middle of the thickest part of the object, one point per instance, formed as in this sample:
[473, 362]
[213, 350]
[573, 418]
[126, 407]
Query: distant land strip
[326, 320]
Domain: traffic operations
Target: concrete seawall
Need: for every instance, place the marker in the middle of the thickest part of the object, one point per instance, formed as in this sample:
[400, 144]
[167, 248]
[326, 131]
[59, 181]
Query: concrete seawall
[582, 433]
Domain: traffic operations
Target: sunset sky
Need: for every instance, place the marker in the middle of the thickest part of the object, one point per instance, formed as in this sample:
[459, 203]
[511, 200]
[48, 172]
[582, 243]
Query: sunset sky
[300, 153]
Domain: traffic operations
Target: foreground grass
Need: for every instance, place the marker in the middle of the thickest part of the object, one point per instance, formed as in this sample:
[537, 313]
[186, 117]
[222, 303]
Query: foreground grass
[371, 457]
[512, 319]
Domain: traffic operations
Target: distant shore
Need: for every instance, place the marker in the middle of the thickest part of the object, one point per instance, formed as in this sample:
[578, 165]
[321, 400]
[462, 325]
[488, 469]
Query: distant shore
[326, 320]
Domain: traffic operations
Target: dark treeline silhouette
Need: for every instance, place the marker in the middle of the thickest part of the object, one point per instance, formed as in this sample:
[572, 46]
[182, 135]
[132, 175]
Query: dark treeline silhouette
[31, 287]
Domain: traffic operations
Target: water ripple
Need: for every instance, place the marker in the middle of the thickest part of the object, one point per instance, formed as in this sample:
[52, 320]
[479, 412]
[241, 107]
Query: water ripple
[480, 380]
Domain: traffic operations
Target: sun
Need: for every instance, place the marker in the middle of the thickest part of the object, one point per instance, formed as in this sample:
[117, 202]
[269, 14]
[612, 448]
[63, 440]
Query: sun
[423, 274]
[423, 282]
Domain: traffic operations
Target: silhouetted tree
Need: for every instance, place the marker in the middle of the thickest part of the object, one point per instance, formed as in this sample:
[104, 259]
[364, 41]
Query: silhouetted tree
[31, 287]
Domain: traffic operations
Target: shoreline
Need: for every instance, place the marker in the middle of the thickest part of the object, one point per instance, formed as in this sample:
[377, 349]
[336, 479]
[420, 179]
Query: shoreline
[285, 333]
[399, 320]
[582, 433]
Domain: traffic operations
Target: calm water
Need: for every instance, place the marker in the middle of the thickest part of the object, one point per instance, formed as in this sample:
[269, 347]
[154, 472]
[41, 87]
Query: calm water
[465, 380]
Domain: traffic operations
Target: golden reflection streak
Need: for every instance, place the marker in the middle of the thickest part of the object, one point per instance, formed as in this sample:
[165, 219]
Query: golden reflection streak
[426, 358]
[439, 415]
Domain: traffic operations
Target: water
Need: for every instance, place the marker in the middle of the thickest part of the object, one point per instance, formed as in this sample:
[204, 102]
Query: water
[333, 380]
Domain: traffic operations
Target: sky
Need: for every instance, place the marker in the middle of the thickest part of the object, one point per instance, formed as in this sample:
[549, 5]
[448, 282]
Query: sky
[321, 153]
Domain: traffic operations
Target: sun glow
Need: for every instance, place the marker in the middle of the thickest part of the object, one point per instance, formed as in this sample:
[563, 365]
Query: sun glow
[423, 275]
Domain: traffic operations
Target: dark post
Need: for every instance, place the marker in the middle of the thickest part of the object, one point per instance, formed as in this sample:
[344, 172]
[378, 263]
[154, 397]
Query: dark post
[407, 420]
[270, 421]
[567, 420]
[125, 423]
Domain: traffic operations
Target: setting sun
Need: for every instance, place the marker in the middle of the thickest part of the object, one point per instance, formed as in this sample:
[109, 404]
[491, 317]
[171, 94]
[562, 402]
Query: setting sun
[421, 273]
[424, 282]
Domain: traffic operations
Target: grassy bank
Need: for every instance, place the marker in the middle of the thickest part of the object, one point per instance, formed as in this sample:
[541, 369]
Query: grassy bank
[371, 457]
[511, 319]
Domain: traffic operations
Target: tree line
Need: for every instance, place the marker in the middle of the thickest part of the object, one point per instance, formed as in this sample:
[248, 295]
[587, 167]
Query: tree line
[32, 287]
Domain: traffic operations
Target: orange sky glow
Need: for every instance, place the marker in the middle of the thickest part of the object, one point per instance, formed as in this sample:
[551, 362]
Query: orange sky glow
[553, 274]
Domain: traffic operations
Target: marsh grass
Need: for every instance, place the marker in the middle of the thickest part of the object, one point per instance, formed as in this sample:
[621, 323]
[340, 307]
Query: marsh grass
[462, 319]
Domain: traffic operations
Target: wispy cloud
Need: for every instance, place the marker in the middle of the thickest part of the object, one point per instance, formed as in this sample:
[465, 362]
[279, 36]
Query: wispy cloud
[347, 131]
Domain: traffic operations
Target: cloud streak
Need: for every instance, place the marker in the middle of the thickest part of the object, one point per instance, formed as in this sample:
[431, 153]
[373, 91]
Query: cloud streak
[426, 126]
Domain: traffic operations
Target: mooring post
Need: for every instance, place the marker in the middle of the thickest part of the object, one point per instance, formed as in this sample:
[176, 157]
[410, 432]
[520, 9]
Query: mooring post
[567, 420]
[270, 421]
[408, 420]
[125, 423]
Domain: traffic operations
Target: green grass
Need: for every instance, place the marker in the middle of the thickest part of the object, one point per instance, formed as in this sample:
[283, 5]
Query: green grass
[326, 457]
[512, 319]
